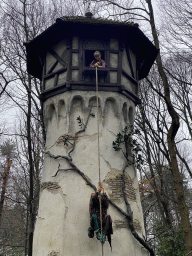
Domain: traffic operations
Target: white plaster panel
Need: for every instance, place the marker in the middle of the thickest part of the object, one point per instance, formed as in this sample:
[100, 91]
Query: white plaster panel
[114, 44]
[50, 60]
[125, 63]
[128, 84]
[133, 61]
[113, 60]
[125, 81]
[60, 48]
[49, 83]
[75, 59]
[62, 78]
[113, 77]
[75, 75]
[134, 88]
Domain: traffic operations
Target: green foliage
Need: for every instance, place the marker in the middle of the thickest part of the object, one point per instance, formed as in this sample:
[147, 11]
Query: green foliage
[126, 138]
[7, 149]
[66, 140]
[167, 238]
[80, 122]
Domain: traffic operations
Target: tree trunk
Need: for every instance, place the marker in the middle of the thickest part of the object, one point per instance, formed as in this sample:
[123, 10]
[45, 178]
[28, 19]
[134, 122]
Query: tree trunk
[183, 210]
[31, 165]
[31, 213]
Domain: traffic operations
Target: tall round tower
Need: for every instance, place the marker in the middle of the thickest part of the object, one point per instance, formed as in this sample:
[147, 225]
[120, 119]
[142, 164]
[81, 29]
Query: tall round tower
[61, 58]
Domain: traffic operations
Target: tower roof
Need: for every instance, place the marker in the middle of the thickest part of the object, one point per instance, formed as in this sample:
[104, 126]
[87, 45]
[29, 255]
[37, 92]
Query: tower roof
[90, 20]
[86, 27]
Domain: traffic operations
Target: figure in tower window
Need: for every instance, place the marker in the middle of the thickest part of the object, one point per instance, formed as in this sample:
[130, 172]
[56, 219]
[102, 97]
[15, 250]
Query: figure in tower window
[98, 62]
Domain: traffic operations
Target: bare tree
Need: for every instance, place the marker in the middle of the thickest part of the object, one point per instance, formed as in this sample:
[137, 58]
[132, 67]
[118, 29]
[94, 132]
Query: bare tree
[19, 27]
[144, 11]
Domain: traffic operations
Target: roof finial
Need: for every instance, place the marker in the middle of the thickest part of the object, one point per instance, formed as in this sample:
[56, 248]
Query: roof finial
[87, 4]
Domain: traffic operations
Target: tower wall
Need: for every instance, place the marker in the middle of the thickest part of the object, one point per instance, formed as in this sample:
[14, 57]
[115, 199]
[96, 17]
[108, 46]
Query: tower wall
[63, 217]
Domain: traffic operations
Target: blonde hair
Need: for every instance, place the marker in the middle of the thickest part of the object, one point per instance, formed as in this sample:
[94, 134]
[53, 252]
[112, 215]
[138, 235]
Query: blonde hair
[97, 53]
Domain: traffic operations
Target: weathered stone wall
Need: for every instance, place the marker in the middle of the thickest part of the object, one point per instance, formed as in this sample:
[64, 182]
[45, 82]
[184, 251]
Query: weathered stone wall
[63, 216]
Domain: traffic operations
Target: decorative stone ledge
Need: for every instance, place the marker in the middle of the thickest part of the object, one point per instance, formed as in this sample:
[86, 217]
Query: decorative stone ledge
[50, 186]
[53, 254]
[124, 224]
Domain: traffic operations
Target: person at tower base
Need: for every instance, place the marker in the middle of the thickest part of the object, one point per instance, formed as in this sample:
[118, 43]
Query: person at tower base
[98, 62]
[94, 210]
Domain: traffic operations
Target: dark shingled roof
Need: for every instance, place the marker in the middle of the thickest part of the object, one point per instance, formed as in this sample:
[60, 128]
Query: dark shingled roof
[85, 27]
[86, 20]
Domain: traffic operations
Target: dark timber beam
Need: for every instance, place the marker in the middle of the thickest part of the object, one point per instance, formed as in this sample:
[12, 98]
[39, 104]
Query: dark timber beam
[129, 77]
[52, 67]
[62, 62]
[61, 70]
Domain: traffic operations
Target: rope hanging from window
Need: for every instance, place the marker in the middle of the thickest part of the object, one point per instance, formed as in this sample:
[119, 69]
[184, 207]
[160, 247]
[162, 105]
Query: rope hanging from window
[97, 97]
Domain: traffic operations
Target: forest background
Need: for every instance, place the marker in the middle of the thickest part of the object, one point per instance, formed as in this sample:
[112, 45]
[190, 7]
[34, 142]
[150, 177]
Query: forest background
[164, 119]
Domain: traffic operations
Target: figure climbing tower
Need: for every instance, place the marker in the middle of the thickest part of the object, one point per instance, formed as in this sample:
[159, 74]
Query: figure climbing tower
[60, 57]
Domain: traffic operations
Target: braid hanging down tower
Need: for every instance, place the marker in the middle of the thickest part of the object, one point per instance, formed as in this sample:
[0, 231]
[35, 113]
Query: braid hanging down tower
[100, 221]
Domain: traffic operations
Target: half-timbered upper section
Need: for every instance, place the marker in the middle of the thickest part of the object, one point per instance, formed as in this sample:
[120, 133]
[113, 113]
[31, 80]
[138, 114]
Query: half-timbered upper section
[62, 54]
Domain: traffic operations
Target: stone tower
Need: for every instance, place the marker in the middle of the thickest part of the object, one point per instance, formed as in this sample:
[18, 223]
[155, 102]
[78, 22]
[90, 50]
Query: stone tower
[60, 57]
